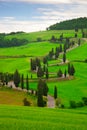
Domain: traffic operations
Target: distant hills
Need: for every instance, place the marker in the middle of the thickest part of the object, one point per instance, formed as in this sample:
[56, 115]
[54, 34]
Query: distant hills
[79, 23]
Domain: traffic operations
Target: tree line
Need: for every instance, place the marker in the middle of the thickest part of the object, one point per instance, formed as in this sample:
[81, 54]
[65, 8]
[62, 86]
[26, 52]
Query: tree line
[4, 42]
[79, 23]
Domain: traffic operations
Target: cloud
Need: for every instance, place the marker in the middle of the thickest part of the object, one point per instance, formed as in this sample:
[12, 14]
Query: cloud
[49, 1]
[40, 1]
[13, 25]
[61, 13]
[44, 15]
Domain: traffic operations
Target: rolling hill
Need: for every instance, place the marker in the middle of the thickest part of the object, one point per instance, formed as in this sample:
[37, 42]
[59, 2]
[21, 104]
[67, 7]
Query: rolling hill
[78, 23]
[27, 118]
[12, 58]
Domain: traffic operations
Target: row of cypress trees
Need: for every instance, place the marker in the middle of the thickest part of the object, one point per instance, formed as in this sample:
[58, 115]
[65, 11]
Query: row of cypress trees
[20, 80]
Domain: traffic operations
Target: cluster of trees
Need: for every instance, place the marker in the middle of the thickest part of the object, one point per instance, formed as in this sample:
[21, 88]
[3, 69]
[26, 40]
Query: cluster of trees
[84, 34]
[57, 40]
[5, 78]
[78, 23]
[36, 66]
[4, 42]
[55, 92]
[74, 104]
[13, 33]
[54, 54]
[43, 71]
[70, 71]
[42, 90]
[20, 80]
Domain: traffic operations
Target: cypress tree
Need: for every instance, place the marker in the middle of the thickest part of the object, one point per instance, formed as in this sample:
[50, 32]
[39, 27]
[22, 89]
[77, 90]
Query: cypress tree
[60, 48]
[22, 81]
[72, 70]
[76, 35]
[69, 68]
[65, 47]
[59, 74]
[38, 62]
[27, 83]
[40, 72]
[16, 78]
[45, 60]
[47, 73]
[55, 92]
[6, 78]
[65, 73]
[45, 88]
[64, 57]
[44, 68]
[40, 101]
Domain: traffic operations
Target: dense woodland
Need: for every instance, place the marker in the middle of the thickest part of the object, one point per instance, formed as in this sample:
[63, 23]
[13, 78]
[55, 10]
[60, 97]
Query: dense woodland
[4, 42]
[79, 23]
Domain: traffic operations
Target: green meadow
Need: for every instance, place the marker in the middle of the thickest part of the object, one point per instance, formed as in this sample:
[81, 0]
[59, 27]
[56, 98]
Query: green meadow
[67, 90]
[32, 118]
[29, 118]
[44, 35]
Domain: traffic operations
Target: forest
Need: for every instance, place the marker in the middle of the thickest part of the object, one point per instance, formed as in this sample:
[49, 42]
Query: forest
[79, 23]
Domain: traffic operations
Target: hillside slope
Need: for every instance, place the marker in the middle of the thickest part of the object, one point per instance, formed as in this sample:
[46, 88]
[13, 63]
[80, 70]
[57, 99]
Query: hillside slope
[27, 118]
[70, 24]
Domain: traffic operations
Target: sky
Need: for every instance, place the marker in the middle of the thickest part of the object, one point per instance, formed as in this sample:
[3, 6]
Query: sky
[37, 15]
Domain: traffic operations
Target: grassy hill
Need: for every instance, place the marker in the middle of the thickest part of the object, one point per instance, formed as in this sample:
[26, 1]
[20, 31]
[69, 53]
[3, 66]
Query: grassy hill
[67, 90]
[15, 97]
[79, 23]
[27, 118]
[44, 35]
[33, 118]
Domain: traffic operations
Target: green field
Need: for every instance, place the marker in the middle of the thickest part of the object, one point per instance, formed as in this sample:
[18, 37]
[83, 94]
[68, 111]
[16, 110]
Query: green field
[29, 118]
[67, 90]
[44, 35]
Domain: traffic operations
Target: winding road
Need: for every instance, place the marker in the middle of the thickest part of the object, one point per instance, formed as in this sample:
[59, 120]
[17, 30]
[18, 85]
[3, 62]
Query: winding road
[50, 102]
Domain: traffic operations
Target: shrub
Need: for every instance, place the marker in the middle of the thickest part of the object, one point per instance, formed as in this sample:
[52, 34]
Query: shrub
[39, 39]
[45, 100]
[59, 73]
[80, 104]
[26, 102]
[84, 99]
[58, 102]
[86, 60]
[73, 104]
[62, 106]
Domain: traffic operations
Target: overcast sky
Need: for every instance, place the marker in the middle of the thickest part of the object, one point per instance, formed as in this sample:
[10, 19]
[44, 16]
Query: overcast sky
[36, 15]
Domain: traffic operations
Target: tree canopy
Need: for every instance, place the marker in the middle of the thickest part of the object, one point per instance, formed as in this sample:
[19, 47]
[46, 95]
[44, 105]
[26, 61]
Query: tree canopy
[78, 23]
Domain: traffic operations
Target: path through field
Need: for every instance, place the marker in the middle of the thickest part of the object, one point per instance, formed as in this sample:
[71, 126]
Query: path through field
[51, 102]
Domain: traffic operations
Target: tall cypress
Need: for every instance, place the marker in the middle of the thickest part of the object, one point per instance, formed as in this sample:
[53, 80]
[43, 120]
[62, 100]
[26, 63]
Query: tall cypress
[47, 73]
[16, 78]
[55, 92]
[72, 70]
[65, 73]
[22, 81]
[64, 57]
[27, 83]
[40, 101]
[69, 68]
